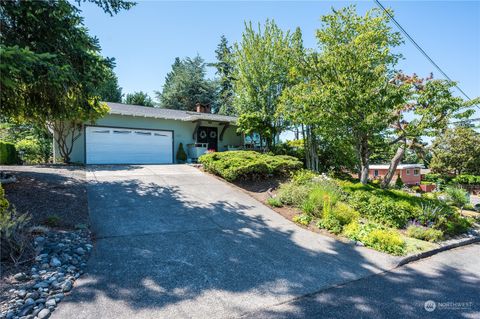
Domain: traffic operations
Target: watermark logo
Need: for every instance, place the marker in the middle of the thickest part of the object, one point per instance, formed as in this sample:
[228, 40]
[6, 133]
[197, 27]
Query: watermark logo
[430, 305]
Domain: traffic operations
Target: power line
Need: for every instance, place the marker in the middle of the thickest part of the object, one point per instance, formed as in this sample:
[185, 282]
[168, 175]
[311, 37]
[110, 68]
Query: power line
[421, 50]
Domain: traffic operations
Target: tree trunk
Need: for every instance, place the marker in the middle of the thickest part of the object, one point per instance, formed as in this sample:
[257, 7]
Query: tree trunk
[364, 156]
[393, 166]
[310, 145]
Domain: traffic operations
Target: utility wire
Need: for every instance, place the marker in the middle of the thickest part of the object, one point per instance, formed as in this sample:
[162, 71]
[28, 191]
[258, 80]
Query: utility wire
[421, 50]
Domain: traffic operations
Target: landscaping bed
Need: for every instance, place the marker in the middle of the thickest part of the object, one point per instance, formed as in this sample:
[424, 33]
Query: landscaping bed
[45, 238]
[394, 221]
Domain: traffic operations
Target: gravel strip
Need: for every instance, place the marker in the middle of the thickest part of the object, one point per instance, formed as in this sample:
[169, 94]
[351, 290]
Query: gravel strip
[60, 260]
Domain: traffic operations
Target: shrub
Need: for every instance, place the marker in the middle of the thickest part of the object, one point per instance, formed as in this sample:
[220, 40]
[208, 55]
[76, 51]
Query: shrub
[467, 179]
[422, 233]
[457, 195]
[315, 201]
[302, 219]
[274, 202]
[31, 150]
[292, 194]
[13, 231]
[233, 165]
[52, 221]
[352, 231]
[8, 153]
[385, 240]
[303, 176]
[181, 155]
[383, 209]
[453, 224]
[336, 217]
[398, 182]
[431, 211]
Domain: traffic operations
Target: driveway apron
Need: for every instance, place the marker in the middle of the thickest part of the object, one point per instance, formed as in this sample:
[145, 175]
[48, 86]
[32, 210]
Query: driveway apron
[173, 242]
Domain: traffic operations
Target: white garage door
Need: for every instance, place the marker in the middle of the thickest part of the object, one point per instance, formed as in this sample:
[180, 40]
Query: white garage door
[109, 145]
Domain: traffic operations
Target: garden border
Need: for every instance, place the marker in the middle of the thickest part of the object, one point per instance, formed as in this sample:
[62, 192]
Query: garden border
[459, 243]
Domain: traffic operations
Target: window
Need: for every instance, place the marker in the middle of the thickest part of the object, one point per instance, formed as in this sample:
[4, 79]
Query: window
[121, 132]
[143, 133]
[158, 134]
[408, 172]
[416, 172]
[101, 131]
[375, 173]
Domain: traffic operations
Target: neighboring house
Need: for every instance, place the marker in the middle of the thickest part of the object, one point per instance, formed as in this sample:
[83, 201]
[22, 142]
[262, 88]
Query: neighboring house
[131, 134]
[409, 173]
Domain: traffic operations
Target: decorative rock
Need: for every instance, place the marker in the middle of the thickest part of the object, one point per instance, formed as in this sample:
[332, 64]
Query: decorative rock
[41, 284]
[29, 301]
[43, 314]
[50, 303]
[67, 286]
[25, 310]
[22, 293]
[55, 262]
[20, 276]
[80, 251]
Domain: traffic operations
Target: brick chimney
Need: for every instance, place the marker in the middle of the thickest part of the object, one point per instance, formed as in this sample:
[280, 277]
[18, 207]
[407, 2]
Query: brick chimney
[202, 108]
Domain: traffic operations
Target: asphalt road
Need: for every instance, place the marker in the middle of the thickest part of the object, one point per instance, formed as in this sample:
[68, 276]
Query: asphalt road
[447, 284]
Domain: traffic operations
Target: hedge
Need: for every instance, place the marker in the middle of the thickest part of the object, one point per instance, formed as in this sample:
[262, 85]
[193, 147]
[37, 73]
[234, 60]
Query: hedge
[467, 179]
[233, 165]
[8, 153]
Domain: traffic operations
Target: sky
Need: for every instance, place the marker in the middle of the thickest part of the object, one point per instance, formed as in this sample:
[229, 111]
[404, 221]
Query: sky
[146, 39]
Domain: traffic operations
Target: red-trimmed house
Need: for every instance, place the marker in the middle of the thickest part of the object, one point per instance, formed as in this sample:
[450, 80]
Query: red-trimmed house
[409, 173]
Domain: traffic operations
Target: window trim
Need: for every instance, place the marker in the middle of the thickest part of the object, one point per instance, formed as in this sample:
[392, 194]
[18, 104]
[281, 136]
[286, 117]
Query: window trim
[418, 172]
[375, 173]
[408, 171]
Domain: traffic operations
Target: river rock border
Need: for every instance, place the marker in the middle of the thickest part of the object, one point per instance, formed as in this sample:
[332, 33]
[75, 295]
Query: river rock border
[61, 258]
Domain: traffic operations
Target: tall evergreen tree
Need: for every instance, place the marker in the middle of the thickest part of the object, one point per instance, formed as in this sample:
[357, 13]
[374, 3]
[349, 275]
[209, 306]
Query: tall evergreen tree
[186, 85]
[109, 90]
[139, 98]
[224, 68]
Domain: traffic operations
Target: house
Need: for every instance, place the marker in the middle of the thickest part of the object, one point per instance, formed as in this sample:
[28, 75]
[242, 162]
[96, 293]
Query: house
[132, 134]
[409, 173]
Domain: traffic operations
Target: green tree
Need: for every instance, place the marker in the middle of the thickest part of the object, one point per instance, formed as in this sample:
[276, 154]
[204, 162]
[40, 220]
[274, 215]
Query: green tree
[262, 60]
[224, 68]
[432, 105]
[186, 85]
[344, 90]
[456, 151]
[109, 90]
[51, 67]
[139, 98]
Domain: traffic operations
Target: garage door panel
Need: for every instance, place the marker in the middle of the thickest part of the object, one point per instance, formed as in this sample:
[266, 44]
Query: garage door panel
[128, 146]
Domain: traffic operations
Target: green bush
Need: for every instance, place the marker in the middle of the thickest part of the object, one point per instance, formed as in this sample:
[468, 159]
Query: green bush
[336, 217]
[453, 224]
[398, 182]
[457, 196]
[302, 219]
[52, 220]
[314, 203]
[13, 231]
[293, 194]
[8, 153]
[392, 212]
[303, 176]
[388, 241]
[422, 233]
[352, 230]
[467, 179]
[274, 202]
[233, 165]
[181, 155]
[31, 149]
[432, 210]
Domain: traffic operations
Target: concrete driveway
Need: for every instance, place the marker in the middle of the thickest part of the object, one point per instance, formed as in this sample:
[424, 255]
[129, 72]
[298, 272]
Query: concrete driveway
[173, 242]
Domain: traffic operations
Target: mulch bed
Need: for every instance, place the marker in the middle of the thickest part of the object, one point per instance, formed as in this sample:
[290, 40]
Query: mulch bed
[44, 192]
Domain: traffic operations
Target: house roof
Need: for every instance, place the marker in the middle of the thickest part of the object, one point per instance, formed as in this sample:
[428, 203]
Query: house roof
[168, 114]
[400, 166]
